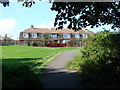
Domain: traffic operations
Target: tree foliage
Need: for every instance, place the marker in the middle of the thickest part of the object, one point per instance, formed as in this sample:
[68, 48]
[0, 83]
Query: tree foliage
[82, 14]
[45, 39]
[5, 2]
[26, 3]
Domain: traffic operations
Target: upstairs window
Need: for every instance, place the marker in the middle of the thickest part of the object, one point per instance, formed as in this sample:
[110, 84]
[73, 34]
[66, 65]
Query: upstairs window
[84, 35]
[53, 35]
[66, 36]
[25, 35]
[34, 35]
[77, 36]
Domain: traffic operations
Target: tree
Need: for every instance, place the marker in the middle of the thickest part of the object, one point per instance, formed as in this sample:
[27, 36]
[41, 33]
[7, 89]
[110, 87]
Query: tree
[26, 3]
[82, 14]
[45, 39]
[5, 2]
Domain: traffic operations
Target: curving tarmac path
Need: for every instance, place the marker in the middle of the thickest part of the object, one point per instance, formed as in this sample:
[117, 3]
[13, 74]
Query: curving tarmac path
[56, 75]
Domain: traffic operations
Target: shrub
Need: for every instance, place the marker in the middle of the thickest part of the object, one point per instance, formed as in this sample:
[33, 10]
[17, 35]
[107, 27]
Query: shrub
[29, 43]
[40, 44]
[102, 59]
[7, 43]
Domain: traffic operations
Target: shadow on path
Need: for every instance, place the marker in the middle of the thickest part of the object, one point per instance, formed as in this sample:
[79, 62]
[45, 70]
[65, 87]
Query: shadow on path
[56, 75]
[61, 78]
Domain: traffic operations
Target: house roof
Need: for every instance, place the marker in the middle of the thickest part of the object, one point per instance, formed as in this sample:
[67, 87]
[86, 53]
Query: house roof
[6, 38]
[1, 38]
[46, 30]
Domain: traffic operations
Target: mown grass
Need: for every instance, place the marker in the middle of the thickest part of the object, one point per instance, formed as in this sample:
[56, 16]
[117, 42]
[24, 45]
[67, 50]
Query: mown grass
[22, 65]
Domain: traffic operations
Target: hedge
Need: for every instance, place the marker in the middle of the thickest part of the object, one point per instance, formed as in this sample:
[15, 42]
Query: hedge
[102, 59]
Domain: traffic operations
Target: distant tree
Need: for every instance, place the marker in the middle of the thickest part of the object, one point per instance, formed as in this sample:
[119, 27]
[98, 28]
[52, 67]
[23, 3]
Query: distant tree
[45, 39]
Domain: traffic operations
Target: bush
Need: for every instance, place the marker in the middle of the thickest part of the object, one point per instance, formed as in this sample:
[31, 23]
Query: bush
[102, 59]
[6, 43]
[40, 44]
[29, 43]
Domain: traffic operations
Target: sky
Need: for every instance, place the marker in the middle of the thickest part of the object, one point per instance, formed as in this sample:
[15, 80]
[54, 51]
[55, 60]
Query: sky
[16, 18]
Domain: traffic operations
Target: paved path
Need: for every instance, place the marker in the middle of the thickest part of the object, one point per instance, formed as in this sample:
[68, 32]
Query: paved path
[57, 75]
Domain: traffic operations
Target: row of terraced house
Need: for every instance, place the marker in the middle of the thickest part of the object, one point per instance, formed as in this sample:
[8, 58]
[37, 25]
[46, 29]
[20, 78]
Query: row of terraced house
[66, 37]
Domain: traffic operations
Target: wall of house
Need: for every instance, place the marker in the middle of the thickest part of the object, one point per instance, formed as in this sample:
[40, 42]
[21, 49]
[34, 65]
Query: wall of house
[60, 38]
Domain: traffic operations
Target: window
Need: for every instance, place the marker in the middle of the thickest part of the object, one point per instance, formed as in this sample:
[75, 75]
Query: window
[34, 35]
[25, 35]
[77, 36]
[66, 35]
[53, 35]
[85, 35]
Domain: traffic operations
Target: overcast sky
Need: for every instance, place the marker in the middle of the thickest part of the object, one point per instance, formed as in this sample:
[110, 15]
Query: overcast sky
[16, 18]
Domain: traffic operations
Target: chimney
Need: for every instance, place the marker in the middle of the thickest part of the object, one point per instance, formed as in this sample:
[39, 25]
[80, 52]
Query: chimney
[32, 26]
[5, 35]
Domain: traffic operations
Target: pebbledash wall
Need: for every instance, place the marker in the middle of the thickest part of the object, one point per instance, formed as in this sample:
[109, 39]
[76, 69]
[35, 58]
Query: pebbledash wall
[61, 36]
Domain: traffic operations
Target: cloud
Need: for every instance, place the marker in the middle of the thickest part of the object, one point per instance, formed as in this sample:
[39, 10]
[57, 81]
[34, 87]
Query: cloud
[7, 26]
[46, 25]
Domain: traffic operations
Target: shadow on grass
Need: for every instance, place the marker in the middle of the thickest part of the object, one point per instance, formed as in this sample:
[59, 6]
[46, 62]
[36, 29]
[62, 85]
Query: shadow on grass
[16, 74]
[12, 60]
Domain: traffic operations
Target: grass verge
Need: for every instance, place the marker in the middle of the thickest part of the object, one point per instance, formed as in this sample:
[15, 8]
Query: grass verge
[75, 63]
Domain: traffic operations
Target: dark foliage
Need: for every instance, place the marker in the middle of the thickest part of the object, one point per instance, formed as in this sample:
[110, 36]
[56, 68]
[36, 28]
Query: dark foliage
[45, 39]
[35, 43]
[101, 59]
[5, 2]
[26, 3]
[82, 14]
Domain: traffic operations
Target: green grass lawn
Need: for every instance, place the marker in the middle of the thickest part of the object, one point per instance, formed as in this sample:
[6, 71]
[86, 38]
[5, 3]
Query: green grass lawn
[22, 65]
